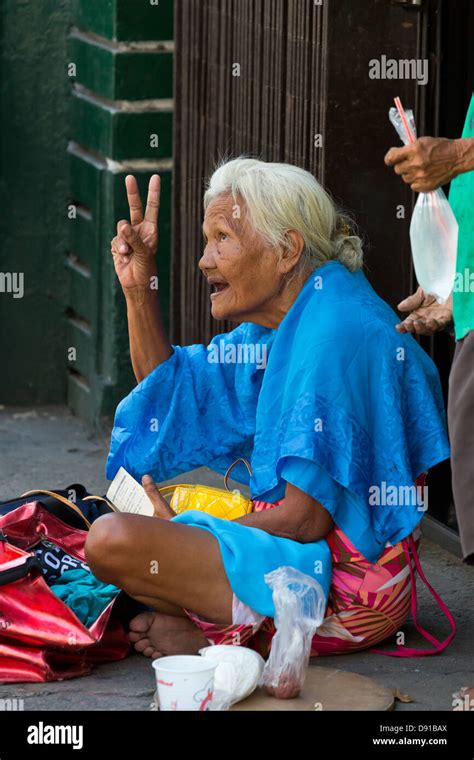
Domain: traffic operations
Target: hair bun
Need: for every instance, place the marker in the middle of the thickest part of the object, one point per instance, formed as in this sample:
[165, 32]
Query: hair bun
[348, 250]
[348, 245]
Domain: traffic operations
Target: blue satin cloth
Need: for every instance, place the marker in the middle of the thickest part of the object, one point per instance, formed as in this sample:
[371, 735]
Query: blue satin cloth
[248, 554]
[344, 405]
[191, 412]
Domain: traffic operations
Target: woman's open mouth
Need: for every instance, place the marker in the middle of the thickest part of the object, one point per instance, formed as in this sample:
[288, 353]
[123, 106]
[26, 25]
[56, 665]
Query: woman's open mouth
[217, 289]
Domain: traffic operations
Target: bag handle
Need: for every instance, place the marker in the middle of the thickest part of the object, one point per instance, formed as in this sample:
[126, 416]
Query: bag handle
[168, 489]
[237, 461]
[101, 498]
[409, 548]
[16, 573]
[60, 498]
[165, 490]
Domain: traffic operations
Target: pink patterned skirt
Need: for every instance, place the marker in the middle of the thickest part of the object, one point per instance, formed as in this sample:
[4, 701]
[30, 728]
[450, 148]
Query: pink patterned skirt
[367, 602]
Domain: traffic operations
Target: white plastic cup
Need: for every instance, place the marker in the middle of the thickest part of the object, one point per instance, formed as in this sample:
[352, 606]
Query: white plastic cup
[185, 682]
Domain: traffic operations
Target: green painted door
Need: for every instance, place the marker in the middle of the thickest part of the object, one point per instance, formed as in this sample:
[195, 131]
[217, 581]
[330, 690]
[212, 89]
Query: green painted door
[86, 98]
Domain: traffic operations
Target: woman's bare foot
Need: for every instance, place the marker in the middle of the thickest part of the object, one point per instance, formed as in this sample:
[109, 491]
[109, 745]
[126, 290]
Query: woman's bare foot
[157, 635]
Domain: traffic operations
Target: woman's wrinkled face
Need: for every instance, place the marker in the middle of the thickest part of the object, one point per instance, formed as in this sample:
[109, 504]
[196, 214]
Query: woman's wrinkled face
[242, 271]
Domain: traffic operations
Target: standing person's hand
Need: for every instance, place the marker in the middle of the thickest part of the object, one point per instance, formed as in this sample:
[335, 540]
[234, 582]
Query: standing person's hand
[426, 315]
[135, 246]
[428, 163]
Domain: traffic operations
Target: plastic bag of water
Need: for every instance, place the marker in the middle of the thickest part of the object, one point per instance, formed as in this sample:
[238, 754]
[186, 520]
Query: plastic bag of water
[434, 229]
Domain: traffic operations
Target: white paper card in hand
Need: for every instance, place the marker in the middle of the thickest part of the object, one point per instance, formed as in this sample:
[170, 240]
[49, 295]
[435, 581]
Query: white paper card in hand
[128, 495]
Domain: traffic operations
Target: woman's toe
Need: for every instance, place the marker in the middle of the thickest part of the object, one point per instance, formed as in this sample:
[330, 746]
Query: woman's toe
[141, 623]
[148, 652]
[143, 644]
[134, 636]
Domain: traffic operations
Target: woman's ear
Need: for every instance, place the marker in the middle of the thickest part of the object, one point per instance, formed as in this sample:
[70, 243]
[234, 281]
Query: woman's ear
[292, 252]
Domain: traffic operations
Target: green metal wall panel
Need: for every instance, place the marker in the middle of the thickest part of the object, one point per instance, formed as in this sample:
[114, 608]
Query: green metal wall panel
[121, 100]
[85, 179]
[34, 99]
[126, 19]
[121, 135]
[80, 292]
[83, 240]
[148, 75]
[121, 74]
[83, 344]
[144, 20]
[80, 396]
[60, 206]
[96, 16]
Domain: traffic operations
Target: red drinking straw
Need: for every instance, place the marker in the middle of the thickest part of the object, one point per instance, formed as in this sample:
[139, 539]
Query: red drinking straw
[403, 117]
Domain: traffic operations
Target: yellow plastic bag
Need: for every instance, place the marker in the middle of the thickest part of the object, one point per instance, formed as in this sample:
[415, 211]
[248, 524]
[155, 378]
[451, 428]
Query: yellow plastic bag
[218, 502]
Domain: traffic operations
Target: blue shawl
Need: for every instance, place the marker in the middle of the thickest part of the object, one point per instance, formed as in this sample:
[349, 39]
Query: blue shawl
[346, 409]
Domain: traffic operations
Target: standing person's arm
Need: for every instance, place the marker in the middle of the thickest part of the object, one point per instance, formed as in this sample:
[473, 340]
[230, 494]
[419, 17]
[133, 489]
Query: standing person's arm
[427, 164]
[134, 252]
[431, 162]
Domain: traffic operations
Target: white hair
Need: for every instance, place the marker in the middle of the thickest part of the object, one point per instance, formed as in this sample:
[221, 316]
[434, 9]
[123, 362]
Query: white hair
[283, 197]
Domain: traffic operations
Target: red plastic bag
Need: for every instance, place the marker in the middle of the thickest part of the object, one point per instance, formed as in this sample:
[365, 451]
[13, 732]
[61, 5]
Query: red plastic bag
[41, 639]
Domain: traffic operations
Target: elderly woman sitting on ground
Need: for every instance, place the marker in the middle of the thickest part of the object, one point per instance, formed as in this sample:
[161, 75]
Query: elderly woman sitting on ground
[338, 413]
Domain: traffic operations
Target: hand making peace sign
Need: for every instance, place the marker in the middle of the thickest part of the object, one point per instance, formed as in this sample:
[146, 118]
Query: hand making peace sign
[134, 249]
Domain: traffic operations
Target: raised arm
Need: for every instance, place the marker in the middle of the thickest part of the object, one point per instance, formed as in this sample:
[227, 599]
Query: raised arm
[134, 252]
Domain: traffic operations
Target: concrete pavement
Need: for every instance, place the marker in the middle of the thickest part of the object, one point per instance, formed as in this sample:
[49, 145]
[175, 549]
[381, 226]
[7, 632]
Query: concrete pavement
[48, 447]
